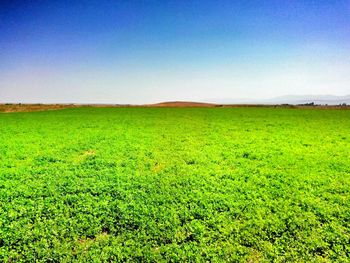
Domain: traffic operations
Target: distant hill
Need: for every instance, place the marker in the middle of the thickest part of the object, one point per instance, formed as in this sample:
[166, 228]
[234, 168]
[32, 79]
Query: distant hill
[303, 99]
[180, 104]
[293, 100]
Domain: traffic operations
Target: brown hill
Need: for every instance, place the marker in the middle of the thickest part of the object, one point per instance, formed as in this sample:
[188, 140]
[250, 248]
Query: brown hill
[180, 104]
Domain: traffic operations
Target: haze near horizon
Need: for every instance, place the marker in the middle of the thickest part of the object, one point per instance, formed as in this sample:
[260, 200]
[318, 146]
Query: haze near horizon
[137, 52]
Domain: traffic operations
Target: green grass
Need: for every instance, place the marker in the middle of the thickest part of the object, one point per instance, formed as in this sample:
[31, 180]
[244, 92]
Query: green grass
[186, 184]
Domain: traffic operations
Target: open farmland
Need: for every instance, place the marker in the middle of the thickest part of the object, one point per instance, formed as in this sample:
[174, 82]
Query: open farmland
[175, 184]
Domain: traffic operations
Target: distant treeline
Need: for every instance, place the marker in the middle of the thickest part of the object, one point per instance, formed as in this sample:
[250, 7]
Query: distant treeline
[314, 104]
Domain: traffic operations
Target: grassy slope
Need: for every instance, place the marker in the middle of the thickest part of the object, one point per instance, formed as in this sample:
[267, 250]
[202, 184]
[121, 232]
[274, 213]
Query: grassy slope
[169, 184]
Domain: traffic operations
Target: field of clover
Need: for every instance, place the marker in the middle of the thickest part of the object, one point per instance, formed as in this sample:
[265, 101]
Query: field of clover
[175, 184]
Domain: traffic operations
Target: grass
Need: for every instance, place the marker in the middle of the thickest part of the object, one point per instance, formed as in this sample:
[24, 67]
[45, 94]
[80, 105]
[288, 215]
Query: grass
[165, 184]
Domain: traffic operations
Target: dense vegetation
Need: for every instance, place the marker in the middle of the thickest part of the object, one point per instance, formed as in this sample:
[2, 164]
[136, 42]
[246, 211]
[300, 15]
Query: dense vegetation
[165, 184]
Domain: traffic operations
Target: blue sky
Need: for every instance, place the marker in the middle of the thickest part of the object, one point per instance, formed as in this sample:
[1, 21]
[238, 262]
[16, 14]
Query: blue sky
[151, 51]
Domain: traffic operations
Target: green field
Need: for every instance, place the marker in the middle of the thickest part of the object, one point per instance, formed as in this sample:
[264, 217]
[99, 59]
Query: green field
[175, 184]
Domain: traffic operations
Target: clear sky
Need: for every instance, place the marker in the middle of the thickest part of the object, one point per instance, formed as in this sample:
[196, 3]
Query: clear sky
[151, 51]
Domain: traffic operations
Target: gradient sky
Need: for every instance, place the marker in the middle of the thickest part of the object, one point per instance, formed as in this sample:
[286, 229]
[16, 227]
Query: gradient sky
[151, 51]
